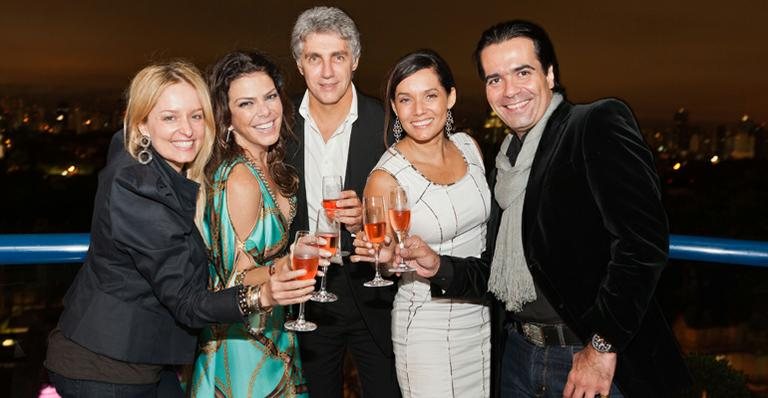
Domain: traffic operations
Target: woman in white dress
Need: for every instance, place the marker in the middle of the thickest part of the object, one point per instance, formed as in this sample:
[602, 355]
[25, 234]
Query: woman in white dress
[442, 346]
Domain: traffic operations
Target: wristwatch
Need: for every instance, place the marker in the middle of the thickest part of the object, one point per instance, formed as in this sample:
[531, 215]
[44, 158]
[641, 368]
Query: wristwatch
[601, 345]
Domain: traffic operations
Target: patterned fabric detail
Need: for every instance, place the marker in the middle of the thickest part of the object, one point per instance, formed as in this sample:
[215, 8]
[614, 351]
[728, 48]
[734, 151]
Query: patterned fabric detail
[231, 361]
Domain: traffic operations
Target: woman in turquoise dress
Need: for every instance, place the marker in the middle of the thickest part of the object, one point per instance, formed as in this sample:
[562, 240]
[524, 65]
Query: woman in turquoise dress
[250, 206]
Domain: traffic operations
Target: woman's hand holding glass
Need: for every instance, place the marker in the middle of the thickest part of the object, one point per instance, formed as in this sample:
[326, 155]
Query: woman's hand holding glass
[305, 256]
[364, 249]
[284, 287]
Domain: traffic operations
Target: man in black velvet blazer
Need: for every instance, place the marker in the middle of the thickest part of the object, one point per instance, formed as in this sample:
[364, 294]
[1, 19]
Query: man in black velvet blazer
[340, 132]
[594, 238]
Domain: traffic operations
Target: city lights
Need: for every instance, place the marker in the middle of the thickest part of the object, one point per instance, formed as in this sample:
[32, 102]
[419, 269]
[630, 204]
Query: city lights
[9, 342]
[677, 166]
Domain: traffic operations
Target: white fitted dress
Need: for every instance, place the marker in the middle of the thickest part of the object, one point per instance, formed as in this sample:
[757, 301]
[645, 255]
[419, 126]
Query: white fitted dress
[442, 346]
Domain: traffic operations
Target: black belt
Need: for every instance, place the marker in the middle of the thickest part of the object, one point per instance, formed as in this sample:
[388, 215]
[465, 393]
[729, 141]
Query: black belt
[543, 335]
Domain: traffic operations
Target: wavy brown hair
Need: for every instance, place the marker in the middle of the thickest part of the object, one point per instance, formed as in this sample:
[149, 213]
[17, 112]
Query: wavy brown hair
[230, 67]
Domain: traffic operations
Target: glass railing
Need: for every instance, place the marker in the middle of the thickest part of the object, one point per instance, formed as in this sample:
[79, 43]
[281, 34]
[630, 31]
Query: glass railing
[71, 248]
[33, 283]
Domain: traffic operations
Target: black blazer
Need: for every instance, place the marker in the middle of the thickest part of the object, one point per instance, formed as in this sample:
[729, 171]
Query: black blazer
[595, 236]
[143, 286]
[365, 148]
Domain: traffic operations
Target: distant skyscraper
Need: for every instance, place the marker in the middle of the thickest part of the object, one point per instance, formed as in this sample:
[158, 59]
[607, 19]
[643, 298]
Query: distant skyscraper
[682, 130]
[761, 142]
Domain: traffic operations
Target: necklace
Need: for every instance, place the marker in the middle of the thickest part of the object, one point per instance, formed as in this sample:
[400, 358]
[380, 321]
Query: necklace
[291, 200]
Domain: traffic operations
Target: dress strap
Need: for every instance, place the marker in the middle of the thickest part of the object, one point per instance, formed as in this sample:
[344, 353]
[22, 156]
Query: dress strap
[469, 149]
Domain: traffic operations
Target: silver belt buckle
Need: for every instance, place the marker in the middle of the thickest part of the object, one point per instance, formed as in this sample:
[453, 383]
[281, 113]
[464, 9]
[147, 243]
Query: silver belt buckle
[534, 334]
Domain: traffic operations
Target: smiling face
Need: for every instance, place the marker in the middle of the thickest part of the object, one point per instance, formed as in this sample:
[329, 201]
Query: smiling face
[176, 125]
[256, 110]
[421, 103]
[517, 87]
[327, 65]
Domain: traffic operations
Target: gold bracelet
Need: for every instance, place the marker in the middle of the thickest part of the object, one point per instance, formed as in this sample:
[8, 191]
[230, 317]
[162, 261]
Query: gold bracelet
[256, 301]
[254, 294]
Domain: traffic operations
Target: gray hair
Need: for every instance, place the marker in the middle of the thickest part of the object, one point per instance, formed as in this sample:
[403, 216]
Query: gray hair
[325, 20]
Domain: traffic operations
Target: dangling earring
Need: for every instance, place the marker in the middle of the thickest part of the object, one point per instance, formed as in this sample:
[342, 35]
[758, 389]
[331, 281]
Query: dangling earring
[449, 123]
[397, 129]
[144, 156]
[230, 129]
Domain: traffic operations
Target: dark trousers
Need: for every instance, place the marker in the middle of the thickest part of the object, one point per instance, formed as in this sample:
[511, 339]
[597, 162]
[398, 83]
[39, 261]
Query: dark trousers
[167, 387]
[531, 371]
[322, 356]
[74, 388]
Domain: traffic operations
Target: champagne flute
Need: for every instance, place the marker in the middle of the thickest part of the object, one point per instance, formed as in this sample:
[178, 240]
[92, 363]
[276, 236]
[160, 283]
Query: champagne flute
[328, 229]
[375, 225]
[332, 188]
[331, 193]
[400, 221]
[305, 256]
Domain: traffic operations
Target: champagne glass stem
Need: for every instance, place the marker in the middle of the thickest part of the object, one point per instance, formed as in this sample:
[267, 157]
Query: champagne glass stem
[301, 313]
[322, 280]
[376, 260]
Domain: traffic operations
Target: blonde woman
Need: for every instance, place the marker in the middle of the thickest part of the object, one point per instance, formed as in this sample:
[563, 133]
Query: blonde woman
[142, 289]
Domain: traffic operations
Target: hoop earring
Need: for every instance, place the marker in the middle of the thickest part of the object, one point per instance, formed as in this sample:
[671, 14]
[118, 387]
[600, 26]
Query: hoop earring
[144, 156]
[449, 123]
[397, 129]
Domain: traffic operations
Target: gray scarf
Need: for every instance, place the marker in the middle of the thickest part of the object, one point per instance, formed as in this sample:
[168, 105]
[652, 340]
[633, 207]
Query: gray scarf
[511, 281]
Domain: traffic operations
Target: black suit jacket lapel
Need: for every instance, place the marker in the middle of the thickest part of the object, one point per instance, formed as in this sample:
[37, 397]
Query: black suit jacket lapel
[357, 154]
[296, 159]
[550, 139]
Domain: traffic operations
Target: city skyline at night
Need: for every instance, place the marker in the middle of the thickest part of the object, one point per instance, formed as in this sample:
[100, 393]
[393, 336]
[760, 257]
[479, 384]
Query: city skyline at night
[658, 56]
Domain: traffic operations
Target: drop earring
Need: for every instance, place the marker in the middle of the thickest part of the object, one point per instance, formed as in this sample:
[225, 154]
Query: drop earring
[144, 156]
[397, 129]
[449, 123]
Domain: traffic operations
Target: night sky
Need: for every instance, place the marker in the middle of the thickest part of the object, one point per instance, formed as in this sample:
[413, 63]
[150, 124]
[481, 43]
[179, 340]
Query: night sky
[708, 56]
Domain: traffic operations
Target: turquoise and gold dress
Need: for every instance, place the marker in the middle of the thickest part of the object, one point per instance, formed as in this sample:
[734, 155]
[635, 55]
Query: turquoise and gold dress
[233, 361]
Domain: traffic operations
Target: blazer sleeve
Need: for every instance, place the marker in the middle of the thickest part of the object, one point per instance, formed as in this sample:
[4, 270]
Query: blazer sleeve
[159, 242]
[624, 184]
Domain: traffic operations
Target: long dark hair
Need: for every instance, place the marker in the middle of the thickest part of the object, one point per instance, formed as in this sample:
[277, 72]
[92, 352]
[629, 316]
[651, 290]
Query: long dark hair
[408, 65]
[221, 75]
[503, 31]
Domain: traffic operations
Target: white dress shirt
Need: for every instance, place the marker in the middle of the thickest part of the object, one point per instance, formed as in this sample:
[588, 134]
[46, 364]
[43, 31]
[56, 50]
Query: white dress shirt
[324, 158]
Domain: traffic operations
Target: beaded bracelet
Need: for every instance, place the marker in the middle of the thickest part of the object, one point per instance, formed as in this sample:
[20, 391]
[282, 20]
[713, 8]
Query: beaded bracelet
[242, 300]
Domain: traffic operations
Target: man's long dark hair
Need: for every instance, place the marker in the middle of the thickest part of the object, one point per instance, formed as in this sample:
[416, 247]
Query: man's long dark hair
[501, 32]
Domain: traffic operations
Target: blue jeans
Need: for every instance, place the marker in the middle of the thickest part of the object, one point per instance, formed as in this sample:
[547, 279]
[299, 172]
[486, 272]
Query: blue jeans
[531, 371]
[74, 388]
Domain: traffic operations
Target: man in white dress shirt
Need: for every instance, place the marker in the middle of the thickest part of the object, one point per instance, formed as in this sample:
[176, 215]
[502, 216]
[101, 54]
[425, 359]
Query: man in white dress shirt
[340, 132]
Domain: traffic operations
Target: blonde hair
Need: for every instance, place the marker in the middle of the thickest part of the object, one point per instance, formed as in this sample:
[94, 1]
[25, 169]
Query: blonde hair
[146, 87]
